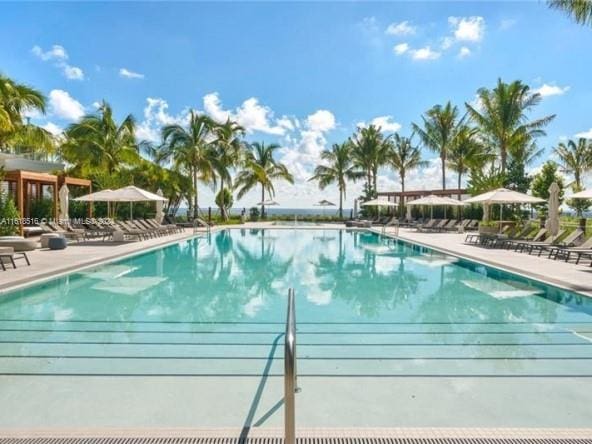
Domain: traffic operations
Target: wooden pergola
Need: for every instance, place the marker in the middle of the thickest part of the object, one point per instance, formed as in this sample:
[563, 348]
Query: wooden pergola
[29, 184]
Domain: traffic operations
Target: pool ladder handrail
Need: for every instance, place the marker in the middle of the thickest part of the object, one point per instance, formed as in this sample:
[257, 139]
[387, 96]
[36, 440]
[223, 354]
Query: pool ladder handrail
[395, 224]
[290, 372]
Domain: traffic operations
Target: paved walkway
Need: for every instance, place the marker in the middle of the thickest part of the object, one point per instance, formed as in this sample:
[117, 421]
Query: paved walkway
[557, 272]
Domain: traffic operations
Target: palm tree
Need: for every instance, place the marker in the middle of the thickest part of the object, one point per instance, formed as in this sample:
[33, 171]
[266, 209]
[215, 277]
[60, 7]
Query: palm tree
[369, 152]
[579, 10]
[503, 120]
[261, 168]
[228, 148]
[191, 150]
[15, 132]
[404, 157]
[467, 153]
[339, 170]
[575, 158]
[438, 130]
[98, 144]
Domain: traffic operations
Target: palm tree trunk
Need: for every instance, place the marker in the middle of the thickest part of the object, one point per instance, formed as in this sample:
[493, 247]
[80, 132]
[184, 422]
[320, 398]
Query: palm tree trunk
[402, 203]
[459, 182]
[195, 200]
[503, 157]
[340, 203]
[262, 200]
[443, 157]
[222, 208]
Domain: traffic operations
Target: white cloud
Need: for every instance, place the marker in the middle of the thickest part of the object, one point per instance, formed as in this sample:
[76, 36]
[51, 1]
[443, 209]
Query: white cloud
[401, 48]
[402, 28]
[251, 115]
[128, 74]
[507, 24]
[57, 52]
[321, 121]
[156, 116]
[464, 52]
[64, 106]
[59, 56]
[425, 53]
[584, 134]
[387, 124]
[469, 29]
[73, 72]
[53, 128]
[547, 90]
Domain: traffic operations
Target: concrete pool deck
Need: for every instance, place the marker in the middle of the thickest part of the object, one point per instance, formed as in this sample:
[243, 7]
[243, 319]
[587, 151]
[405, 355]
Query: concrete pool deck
[556, 272]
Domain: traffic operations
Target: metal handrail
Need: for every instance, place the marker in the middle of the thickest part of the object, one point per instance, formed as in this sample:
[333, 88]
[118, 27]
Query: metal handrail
[290, 372]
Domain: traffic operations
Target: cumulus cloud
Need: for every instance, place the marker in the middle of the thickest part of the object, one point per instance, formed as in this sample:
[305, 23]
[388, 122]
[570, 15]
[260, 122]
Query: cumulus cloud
[321, 121]
[387, 124]
[156, 115]
[128, 74]
[402, 28]
[58, 55]
[251, 115]
[464, 52]
[584, 134]
[401, 48]
[467, 29]
[53, 128]
[425, 53]
[64, 106]
[547, 90]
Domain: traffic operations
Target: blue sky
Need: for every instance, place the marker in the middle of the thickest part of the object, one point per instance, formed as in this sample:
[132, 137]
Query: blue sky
[300, 74]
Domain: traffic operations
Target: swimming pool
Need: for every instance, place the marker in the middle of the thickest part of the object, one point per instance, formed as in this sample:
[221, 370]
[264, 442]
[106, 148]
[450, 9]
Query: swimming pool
[390, 334]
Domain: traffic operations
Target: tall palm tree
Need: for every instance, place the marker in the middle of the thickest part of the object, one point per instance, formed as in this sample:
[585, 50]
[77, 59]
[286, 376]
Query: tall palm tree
[503, 119]
[261, 168]
[467, 153]
[98, 144]
[579, 10]
[369, 152]
[404, 157]
[575, 158]
[191, 150]
[339, 169]
[228, 148]
[16, 132]
[438, 130]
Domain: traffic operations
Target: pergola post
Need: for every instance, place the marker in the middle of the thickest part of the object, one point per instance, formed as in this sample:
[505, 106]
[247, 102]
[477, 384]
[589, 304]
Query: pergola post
[20, 201]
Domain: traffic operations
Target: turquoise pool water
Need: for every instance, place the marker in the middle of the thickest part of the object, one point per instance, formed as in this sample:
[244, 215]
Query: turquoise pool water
[369, 309]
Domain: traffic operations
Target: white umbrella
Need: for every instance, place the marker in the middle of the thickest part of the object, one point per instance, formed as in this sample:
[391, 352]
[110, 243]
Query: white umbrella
[64, 194]
[324, 203]
[97, 196]
[159, 205]
[586, 194]
[266, 203]
[433, 200]
[503, 196]
[132, 194]
[553, 211]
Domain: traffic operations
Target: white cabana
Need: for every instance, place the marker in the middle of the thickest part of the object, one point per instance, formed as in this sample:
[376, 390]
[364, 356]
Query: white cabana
[64, 194]
[433, 200]
[98, 196]
[553, 210]
[503, 196]
[378, 203]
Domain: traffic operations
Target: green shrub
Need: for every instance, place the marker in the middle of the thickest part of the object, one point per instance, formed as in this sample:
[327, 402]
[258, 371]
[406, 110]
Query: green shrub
[8, 216]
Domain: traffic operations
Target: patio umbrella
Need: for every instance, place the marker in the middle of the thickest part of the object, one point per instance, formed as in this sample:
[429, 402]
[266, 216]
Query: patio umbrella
[133, 194]
[324, 203]
[503, 196]
[586, 194]
[63, 195]
[553, 214]
[266, 203]
[378, 203]
[433, 200]
[159, 205]
[98, 196]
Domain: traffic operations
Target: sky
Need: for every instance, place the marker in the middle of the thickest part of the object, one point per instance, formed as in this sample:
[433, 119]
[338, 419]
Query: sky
[304, 75]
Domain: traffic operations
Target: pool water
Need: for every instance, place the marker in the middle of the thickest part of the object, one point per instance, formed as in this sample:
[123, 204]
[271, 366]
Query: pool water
[389, 334]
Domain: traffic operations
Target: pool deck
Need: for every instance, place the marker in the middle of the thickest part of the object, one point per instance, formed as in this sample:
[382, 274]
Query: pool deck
[556, 272]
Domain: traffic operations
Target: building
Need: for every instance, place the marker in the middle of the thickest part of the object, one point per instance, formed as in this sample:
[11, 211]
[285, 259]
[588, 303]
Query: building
[28, 180]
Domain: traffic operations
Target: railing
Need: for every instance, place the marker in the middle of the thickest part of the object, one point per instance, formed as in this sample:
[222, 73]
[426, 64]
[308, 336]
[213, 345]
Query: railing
[391, 224]
[290, 373]
[196, 223]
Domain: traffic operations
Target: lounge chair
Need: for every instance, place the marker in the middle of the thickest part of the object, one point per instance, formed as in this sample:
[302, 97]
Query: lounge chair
[568, 252]
[77, 236]
[171, 227]
[517, 235]
[541, 246]
[518, 245]
[132, 231]
[8, 255]
[156, 231]
[426, 226]
[452, 225]
[568, 241]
